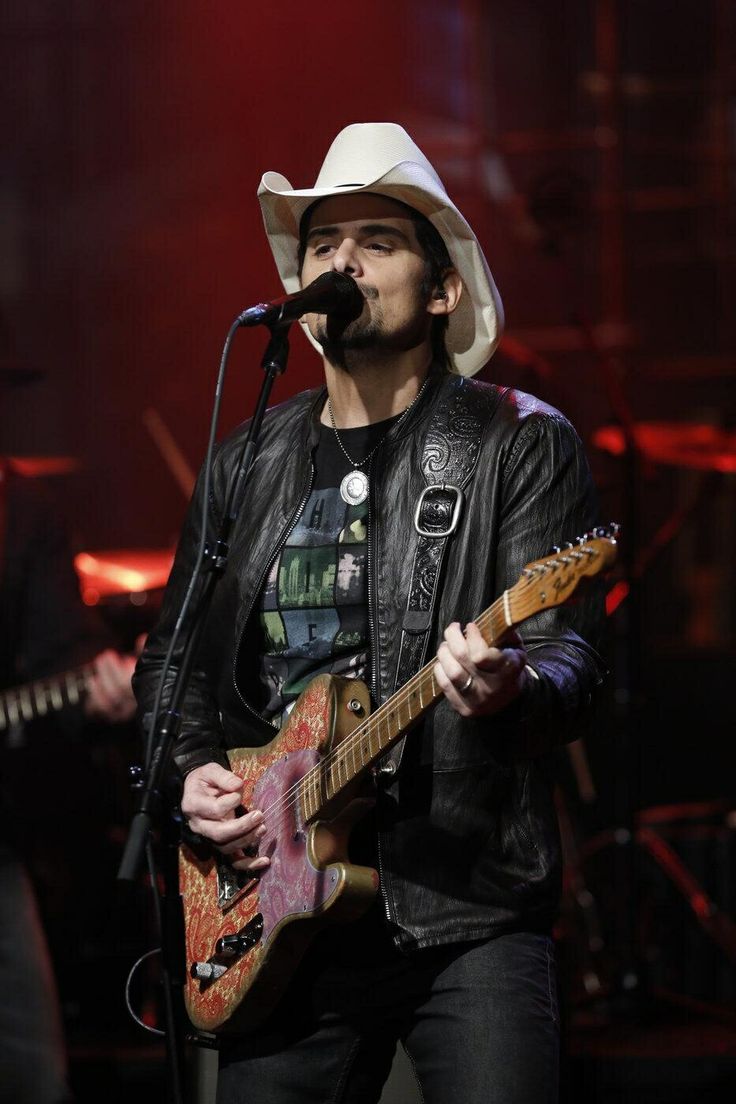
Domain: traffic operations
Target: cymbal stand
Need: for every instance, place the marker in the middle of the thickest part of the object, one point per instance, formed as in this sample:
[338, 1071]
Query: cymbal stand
[628, 697]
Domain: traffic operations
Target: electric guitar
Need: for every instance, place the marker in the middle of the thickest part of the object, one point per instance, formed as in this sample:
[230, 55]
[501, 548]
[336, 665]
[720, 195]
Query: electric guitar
[243, 935]
[43, 696]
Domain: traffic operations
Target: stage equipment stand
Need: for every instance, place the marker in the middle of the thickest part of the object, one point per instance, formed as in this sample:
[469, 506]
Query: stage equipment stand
[166, 724]
[630, 986]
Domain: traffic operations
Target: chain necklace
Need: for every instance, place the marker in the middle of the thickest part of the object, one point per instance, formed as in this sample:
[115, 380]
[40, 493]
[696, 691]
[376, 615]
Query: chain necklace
[354, 487]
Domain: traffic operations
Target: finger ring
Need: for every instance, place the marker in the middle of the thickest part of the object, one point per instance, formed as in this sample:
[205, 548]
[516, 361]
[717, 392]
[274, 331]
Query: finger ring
[466, 685]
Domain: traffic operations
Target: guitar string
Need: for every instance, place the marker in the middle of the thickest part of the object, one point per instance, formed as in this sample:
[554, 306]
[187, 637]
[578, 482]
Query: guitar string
[523, 607]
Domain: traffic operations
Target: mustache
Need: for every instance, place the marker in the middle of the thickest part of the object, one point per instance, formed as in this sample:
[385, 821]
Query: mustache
[367, 291]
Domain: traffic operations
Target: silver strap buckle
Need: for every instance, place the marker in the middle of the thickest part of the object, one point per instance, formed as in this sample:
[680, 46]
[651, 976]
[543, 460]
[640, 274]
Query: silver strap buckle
[457, 506]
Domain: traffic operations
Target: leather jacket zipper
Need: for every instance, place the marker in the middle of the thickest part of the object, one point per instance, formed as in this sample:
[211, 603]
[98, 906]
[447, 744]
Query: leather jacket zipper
[374, 687]
[259, 587]
[372, 639]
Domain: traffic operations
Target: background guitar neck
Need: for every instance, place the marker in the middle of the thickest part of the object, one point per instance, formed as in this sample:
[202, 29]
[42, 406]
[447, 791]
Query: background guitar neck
[43, 696]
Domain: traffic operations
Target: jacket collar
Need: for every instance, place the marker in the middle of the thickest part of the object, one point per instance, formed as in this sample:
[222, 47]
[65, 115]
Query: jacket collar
[438, 377]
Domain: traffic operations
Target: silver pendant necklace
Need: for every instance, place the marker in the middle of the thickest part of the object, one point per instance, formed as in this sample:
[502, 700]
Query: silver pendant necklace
[354, 487]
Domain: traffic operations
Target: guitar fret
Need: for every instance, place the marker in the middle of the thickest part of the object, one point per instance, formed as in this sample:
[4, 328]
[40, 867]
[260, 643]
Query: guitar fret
[339, 766]
[26, 705]
[72, 689]
[383, 731]
[12, 707]
[40, 693]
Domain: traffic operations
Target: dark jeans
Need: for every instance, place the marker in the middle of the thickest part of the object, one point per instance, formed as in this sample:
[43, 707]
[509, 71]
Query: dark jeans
[479, 1022]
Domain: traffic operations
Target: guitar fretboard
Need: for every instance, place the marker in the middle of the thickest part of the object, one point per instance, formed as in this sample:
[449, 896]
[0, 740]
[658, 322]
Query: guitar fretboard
[372, 739]
[36, 699]
[543, 584]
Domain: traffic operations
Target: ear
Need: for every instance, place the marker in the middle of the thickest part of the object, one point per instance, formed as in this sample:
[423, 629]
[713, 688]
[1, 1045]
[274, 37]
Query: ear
[445, 298]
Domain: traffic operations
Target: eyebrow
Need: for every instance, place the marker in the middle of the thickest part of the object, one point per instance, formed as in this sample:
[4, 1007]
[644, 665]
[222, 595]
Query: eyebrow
[368, 229]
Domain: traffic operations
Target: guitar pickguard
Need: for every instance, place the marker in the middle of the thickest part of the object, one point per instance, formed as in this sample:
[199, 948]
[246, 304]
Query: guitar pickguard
[294, 885]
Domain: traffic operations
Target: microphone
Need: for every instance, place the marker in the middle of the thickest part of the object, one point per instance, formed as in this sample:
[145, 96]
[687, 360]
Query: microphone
[332, 293]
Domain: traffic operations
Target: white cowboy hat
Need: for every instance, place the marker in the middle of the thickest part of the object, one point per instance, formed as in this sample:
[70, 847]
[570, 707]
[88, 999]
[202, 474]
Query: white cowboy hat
[382, 158]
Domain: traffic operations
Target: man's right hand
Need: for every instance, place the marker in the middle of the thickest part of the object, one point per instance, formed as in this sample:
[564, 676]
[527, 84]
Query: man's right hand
[212, 805]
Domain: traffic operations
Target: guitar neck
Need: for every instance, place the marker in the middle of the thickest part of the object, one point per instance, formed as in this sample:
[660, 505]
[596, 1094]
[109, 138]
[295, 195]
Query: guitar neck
[543, 584]
[359, 751]
[42, 697]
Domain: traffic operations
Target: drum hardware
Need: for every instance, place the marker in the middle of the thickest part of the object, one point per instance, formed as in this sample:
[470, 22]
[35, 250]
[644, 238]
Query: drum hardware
[658, 832]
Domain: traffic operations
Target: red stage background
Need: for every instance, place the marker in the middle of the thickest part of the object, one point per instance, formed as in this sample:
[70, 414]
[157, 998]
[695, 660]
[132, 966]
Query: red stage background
[591, 145]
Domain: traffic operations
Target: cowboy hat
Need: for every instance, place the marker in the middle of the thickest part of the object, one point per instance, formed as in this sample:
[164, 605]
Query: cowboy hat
[382, 158]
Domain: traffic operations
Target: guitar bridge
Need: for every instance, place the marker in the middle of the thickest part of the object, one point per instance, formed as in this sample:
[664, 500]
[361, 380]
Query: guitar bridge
[230, 883]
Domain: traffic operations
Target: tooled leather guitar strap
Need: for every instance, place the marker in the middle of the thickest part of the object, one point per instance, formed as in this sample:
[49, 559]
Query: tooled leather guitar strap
[451, 451]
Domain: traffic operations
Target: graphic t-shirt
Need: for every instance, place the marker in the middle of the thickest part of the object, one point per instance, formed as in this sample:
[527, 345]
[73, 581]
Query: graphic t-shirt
[314, 606]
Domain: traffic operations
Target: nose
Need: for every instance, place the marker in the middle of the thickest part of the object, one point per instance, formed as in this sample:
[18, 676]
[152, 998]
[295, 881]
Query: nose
[346, 259]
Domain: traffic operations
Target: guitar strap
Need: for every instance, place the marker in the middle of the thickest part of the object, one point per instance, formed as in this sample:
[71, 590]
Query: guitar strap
[451, 450]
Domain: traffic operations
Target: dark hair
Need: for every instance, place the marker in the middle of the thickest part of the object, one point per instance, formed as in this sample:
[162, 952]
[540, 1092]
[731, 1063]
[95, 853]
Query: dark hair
[437, 263]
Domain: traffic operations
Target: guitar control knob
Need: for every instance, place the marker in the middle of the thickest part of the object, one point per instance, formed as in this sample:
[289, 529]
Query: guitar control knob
[237, 943]
[207, 971]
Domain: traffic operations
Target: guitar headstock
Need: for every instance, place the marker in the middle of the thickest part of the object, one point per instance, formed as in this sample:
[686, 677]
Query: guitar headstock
[551, 580]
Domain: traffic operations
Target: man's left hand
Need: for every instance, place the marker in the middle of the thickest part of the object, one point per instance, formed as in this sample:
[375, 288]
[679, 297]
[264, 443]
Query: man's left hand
[109, 692]
[476, 679]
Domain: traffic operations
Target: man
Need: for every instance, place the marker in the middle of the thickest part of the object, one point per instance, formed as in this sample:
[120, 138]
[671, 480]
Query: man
[455, 958]
[44, 628]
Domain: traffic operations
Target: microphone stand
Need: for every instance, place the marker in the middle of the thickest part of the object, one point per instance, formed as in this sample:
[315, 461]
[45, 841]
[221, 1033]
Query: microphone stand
[167, 725]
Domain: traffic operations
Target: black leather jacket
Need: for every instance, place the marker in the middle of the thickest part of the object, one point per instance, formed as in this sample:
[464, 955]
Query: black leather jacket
[468, 841]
